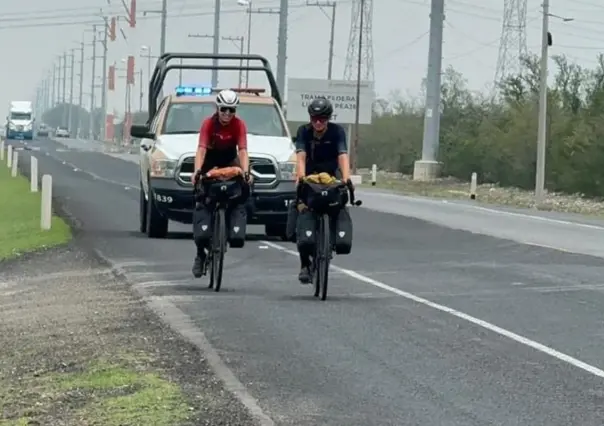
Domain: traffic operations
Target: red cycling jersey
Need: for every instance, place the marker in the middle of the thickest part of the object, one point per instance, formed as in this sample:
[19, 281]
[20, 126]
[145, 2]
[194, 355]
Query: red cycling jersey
[215, 135]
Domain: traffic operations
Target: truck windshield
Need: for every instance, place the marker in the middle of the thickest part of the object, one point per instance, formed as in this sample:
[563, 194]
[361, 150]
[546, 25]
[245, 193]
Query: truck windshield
[20, 116]
[261, 119]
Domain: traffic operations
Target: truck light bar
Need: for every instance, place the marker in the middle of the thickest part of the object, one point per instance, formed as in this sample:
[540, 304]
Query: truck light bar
[193, 91]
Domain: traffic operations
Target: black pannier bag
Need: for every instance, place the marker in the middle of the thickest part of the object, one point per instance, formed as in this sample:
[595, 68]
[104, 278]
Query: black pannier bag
[202, 223]
[224, 190]
[292, 222]
[237, 226]
[306, 229]
[323, 198]
[341, 234]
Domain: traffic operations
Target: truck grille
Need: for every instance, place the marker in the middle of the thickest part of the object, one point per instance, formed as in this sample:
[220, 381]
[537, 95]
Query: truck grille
[186, 170]
[263, 170]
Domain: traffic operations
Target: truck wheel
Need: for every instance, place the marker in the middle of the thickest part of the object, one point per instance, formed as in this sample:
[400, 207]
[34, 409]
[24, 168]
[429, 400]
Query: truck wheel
[279, 230]
[157, 225]
[142, 216]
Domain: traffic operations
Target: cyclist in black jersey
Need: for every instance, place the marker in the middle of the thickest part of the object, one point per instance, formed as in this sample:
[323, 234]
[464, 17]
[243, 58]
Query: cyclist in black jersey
[321, 147]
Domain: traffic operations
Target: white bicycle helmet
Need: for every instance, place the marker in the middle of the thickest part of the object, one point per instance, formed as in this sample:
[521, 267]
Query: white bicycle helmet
[227, 98]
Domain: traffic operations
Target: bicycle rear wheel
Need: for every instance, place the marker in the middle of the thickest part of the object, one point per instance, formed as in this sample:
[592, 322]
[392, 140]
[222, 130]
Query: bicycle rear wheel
[322, 258]
[218, 248]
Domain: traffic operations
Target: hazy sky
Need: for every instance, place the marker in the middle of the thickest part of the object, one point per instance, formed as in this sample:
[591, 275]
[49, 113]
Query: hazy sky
[34, 32]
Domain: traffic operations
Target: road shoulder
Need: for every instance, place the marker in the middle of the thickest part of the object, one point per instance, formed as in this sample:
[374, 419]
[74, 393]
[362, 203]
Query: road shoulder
[80, 348]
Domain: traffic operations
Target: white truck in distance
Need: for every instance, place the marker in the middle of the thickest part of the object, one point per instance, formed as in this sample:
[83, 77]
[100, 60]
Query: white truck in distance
[20, 120]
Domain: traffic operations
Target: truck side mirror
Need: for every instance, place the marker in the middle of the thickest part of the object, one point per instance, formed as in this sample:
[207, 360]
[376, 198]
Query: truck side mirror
[141, 131]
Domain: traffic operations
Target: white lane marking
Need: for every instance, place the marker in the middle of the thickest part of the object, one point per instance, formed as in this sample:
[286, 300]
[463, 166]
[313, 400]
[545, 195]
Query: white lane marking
[481, 323]
[489, 210]
[95, 176]
[539, 218]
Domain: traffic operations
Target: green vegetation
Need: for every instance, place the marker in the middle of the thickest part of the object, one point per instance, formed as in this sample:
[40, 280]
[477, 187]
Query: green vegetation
[20, 219]
[495, 136]
[103, 393]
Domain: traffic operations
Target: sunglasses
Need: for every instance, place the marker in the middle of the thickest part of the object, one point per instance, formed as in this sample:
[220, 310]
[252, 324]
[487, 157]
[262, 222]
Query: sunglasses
[228, 109]
[319, 119]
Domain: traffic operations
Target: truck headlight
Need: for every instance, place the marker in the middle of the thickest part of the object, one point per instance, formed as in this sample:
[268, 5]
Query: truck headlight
[12, 126]
[163, 168]
[288, 170]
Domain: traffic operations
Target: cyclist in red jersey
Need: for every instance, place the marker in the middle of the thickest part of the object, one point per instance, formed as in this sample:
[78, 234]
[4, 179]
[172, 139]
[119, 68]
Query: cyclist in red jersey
[223, 137]
[222, 143]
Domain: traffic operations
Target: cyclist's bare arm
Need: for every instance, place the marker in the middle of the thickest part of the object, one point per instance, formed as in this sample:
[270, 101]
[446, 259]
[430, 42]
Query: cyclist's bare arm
[202, 146]
[343, 157]
[300, 155]
[244, 159]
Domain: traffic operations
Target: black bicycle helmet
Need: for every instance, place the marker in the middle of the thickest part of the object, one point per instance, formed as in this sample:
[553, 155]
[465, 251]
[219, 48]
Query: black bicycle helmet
[320, 107]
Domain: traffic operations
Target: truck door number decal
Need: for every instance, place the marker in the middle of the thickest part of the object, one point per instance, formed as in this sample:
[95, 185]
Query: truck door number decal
[163, 198]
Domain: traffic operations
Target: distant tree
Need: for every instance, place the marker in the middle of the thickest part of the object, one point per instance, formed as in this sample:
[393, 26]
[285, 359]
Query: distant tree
[496, 136]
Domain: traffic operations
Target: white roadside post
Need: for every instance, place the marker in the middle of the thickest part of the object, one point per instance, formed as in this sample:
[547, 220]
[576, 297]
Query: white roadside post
[46, 214]
[473, 185]
[1, 150]
[373, 174]
[33, 175]
[9, 156]
[14, 164]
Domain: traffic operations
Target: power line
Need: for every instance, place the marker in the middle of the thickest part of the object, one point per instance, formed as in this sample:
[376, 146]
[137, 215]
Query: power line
[142, 18]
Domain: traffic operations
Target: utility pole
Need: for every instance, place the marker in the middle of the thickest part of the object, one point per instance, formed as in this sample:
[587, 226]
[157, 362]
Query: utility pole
[104, 85]
[164, 23]
[64, 100]
[428, 167]
[58, 82]
[92, 85]
[81, 94]
[54, 85]
[355, 144]
[282, 48]
[261, 11]
[216, 41]
[140, 82]
[240, 46]
[70, 121]
[249, 44]
[333, 6]
[541, 132]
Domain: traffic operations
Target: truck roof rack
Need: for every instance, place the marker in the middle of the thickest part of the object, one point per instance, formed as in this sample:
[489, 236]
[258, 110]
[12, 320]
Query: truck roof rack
[248, 90]
[161, 69]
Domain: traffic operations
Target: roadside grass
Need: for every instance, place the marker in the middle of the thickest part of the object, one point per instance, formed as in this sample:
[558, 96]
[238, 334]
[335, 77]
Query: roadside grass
[450, 188]
[109, 393]
[20, 219]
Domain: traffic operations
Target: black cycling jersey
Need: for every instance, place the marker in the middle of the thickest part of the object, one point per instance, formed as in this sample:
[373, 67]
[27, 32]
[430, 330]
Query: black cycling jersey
[322, 152]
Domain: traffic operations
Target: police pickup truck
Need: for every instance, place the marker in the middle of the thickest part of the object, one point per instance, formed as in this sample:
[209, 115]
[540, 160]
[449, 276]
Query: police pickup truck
[169, 143]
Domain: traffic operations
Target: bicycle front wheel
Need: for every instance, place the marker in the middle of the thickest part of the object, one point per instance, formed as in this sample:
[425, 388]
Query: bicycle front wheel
[324, 253]
[218, 248]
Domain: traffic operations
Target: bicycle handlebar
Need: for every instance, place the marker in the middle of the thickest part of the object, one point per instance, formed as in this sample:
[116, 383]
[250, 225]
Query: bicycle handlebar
[199, 178]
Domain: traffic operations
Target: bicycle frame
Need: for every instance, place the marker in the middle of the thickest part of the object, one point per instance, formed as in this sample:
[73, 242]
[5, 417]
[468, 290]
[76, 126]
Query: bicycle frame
[324, 247]
[218, 239]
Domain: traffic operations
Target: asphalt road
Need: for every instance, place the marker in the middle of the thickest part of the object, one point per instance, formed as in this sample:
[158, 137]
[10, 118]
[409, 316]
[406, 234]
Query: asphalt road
[425, 324]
